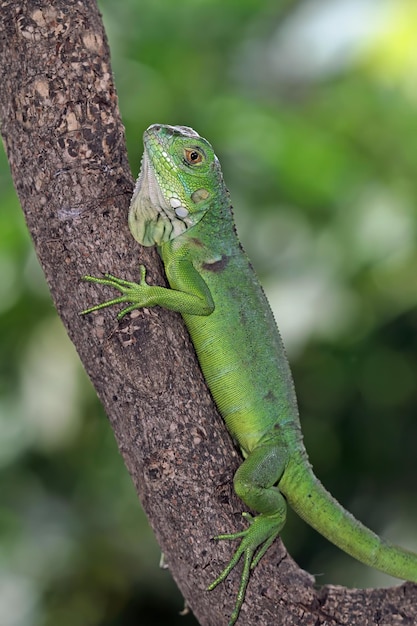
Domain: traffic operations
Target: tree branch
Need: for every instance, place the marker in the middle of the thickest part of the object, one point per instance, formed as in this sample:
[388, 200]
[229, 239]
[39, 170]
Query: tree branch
[65, 143]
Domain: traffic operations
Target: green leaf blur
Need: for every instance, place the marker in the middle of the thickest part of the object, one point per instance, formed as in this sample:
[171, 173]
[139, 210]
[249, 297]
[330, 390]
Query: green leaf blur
[312, 109]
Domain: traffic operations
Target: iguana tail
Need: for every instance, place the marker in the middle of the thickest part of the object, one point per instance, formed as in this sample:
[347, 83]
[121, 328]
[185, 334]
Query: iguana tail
[314, 504]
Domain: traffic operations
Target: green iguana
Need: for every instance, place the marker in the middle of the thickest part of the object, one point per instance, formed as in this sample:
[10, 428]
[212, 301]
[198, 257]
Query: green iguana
[181, 205]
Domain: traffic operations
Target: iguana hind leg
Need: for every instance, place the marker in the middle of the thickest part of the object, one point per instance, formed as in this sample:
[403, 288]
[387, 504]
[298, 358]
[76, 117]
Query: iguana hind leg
[254, 483]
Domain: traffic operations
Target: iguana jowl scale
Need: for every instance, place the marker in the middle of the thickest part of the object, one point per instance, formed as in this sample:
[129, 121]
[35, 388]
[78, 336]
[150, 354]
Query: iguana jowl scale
[181, 205]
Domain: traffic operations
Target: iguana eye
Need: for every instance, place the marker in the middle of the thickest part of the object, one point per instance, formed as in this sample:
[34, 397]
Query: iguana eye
[192, 156]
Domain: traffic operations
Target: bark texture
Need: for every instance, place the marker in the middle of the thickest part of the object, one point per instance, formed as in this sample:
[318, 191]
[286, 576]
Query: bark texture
[65, 143]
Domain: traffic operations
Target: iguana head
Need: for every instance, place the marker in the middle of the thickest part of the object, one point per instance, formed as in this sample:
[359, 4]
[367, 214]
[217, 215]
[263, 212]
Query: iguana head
[178, 177]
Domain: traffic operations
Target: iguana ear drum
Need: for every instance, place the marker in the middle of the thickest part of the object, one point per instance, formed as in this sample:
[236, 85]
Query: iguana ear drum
[199, 195]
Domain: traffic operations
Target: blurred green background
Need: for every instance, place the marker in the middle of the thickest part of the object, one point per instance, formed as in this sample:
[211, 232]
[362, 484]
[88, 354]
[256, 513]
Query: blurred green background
[312, 108]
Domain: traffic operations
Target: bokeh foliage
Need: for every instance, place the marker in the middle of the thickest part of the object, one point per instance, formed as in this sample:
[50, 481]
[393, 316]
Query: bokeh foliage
[312, 109]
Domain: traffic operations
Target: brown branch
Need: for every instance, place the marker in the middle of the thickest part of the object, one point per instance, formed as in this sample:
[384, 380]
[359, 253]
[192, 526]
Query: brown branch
[65, 144]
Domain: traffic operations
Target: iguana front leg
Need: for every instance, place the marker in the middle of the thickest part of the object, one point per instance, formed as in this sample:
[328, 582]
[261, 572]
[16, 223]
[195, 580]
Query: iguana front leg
[195, 299]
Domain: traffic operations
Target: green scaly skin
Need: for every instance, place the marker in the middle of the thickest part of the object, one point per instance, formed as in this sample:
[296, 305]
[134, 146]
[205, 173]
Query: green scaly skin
[181, 205]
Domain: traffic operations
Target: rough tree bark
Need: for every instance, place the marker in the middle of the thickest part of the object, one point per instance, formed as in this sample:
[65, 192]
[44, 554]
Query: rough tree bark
[65, 144]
